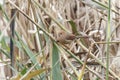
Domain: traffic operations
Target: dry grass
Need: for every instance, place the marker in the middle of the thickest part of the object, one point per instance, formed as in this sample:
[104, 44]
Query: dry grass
[42, 44]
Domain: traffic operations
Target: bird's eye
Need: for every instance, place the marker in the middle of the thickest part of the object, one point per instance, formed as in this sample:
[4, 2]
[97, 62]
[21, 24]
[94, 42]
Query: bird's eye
[60, 34]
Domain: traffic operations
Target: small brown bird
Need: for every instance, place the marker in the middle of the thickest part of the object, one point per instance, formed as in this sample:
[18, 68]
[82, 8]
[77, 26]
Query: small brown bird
[65, 38]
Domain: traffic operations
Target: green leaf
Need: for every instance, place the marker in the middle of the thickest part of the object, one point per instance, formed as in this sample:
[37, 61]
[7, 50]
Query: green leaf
[74, 28]
[4, 46]
[5, 53]
[0, 7]
[56, 71]
[5, 14]
[24, 71]
[99, 3]
[27, 50]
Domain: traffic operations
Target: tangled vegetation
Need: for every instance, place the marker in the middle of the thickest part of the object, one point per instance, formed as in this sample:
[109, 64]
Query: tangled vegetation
[59, 40]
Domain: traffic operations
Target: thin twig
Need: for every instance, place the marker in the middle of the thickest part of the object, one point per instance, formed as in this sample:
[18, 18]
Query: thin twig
[93, 56]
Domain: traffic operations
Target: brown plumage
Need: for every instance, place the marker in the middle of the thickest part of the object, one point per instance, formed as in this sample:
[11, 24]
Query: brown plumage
[65, 38]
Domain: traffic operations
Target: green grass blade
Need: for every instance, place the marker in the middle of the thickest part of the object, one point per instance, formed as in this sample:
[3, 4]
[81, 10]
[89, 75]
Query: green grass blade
[56, 71]
[108, 40]
[74, 27]
[4, 46]
[102, 5]
[4, 13]
[28, 51]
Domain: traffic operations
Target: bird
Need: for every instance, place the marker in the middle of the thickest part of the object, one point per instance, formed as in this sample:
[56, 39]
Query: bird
[66, 38]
